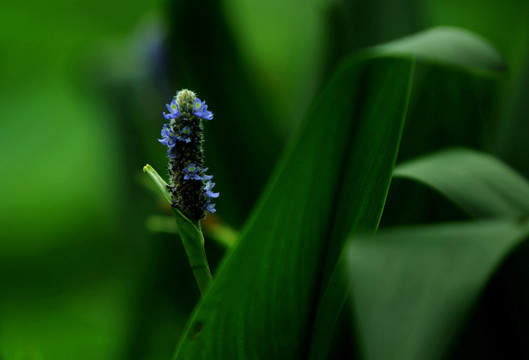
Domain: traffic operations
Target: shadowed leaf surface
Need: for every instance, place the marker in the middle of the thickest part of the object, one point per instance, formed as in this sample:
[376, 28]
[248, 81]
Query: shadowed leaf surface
[413, 288]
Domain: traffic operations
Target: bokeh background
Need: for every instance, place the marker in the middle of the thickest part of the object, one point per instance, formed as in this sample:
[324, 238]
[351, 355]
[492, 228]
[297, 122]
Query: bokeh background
[84, 273]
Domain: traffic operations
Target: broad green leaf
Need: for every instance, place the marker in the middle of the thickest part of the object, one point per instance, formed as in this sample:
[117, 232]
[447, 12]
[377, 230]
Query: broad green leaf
[262, 297]
[450, 106]
[412, 289]
[332, 179]
[480, 184]
[447, 45]
[497, 327]
[433, 46]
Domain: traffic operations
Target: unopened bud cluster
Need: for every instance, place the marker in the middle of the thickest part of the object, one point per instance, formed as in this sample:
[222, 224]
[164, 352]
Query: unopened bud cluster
[190, 186]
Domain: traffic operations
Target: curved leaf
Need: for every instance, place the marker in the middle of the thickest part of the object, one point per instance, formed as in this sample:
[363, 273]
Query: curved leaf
[432, 46]
[480, 184]
[158, 181]
[448, 45]
[268, 283]
[332, 179]
[413, 288]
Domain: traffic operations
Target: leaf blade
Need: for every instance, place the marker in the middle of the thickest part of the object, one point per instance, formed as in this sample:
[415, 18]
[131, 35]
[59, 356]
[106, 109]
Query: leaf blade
[480, 184]
[413, 288]
[266, 291]
[279, 255]
[432, 46]
[448, 45]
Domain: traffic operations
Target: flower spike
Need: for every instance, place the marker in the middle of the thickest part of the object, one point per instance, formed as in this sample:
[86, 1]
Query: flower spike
[190, 187]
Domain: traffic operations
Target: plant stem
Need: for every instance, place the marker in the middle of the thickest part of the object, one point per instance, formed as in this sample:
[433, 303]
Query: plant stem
[191, 235]
[193, 241]
[202, 277]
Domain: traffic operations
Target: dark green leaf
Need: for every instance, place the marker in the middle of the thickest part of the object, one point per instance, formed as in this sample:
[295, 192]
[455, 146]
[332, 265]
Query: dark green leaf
[450, 106]
[478, 183]
[413, 288]
[435, 46]
[261, 300]
[332, 179]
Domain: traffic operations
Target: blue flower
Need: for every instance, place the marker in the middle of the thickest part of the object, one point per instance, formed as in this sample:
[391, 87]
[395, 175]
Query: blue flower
[193, 172]
[209, 207]
[173, 110]
[205, 176]
[200, 109]
[207, 188]
[168, 137]
[185, 134]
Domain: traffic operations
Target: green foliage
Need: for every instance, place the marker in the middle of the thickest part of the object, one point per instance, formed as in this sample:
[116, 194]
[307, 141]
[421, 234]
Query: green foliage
[357, 87]
[337, 169]
[412, 289]
[478, 183]
[189, 232]
[267, 283]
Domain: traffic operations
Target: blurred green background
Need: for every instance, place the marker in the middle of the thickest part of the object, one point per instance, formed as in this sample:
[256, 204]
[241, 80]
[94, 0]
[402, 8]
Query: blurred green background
[82, 88]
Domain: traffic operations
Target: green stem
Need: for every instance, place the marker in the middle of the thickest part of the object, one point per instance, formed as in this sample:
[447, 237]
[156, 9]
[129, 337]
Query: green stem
[193, 241]
[203, 278]
[191, 235]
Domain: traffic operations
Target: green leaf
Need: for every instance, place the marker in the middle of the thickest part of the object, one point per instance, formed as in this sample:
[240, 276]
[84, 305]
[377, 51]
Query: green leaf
[413, 288]
[344, 153]
[332, 179]
[450, 107]
[447, 45]
[158, 181]
[435, 46]
[480, 184]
